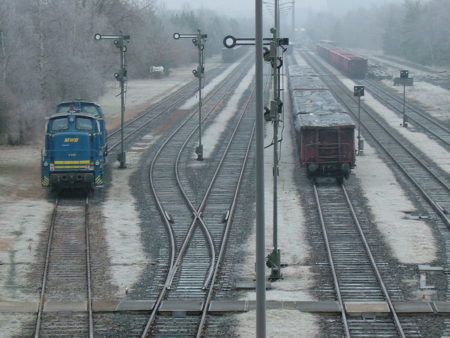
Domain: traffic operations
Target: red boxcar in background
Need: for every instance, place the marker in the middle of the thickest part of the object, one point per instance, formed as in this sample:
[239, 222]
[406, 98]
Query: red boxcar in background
[353, 65]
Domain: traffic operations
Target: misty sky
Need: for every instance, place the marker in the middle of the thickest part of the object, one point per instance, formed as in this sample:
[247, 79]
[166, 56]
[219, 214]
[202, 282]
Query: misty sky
[246, 8]
[232, 7]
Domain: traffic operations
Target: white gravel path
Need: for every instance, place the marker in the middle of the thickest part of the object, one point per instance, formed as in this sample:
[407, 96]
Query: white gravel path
[411, 241]
[280, 323]
[24, 214]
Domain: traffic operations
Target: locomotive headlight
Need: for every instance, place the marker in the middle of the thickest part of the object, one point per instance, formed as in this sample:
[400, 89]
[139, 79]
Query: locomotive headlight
[97, 162]
[45, 164]
[52, 166]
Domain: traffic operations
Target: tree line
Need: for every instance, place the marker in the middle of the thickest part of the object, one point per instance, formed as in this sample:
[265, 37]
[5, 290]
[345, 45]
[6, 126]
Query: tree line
[416, 30]
[48, 53]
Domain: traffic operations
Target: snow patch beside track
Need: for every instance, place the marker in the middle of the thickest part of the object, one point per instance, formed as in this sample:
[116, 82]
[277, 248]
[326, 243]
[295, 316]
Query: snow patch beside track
[433, 149]
[212, 134]
[123, 233]
[411, 241]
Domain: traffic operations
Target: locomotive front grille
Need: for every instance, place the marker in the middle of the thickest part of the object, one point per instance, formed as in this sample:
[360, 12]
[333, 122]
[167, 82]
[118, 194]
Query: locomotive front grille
[84, 164]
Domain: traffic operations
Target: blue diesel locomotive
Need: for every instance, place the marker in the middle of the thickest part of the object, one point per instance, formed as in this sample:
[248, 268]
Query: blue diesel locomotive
[75, 147]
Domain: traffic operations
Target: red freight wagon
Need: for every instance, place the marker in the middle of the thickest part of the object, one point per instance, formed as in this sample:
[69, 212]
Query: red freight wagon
[353, 65]
[326, 144]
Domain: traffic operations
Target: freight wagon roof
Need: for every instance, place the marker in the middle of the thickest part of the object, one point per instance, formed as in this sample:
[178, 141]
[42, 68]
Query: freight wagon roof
[314, 101]
[323, 120]
[344, 53]
[309, 94]
[304, 77]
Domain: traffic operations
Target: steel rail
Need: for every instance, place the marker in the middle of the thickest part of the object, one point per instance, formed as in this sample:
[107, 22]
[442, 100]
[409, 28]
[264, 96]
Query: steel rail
[45, 273]
[170, 274]
[370, 256]
[232, 210]
[88, 270]
[46, 269]
[380, 89]
[332, 265]
[374, 264]
[166, 101]
[224, 241]
[157, 105]
[437, 178]
[197, 212]
[178, 94]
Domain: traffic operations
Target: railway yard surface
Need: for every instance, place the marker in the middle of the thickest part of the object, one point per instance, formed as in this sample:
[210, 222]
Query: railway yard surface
[126, 244]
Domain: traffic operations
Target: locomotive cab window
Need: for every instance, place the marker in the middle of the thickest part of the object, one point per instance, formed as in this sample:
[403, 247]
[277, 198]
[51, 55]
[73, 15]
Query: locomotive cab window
[83, 123]
[60, 124]
[89, 109]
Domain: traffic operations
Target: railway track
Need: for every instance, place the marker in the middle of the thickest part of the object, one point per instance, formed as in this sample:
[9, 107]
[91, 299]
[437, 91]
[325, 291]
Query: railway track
[432, 182]
[356, 275]
[159, 109]
[193, 214]
[67, 277]
[422, 120]
[428, 183]
[63, 271]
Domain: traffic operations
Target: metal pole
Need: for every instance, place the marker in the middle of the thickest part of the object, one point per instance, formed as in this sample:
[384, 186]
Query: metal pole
[275, 133]
[277, 18]
[276, 266]
[260, 241]
[122, 101]
[293, 20]
[359, 125]
[200, 62]
[404, 104]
